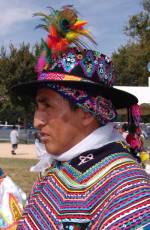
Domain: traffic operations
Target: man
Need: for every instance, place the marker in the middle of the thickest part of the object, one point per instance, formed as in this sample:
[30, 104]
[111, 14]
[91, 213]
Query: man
[93, 181]
[14, 139]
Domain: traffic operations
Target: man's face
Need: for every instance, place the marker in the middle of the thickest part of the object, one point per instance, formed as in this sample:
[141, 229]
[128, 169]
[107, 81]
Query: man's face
[60, 127]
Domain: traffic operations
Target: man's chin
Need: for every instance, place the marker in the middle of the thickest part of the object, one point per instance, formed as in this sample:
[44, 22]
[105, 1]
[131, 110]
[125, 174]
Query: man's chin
[52, 151]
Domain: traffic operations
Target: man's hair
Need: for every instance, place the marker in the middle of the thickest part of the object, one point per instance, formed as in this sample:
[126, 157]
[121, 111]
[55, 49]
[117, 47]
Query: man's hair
[132, 128]
[73, 106]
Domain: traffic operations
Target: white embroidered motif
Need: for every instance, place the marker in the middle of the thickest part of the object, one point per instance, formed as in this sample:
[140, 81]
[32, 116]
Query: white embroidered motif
[84, 159]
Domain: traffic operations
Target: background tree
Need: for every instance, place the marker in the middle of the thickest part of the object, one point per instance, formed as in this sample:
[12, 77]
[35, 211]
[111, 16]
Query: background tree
[139, 25]
[130, 61]
[16, 66]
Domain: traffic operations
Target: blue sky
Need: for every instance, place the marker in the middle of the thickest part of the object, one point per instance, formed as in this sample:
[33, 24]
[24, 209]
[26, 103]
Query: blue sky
[106, 20]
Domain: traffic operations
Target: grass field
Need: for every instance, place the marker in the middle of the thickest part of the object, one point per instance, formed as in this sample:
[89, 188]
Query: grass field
[18, 170]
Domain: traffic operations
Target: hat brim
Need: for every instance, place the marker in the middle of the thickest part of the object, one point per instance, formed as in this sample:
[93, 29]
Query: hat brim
[119, 98]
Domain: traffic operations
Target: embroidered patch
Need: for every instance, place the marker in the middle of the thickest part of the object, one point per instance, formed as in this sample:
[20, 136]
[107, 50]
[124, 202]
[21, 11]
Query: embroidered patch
[98, 155]
[88, 65]
[69, 62]
[85, 159]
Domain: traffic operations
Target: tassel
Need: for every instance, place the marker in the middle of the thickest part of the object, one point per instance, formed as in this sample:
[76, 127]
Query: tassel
[136, 114]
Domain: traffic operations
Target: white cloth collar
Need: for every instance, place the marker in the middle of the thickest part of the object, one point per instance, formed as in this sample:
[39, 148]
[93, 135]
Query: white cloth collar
[98, 138]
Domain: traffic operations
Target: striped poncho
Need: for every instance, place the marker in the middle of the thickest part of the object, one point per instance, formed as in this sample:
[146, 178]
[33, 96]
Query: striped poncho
[100, 189]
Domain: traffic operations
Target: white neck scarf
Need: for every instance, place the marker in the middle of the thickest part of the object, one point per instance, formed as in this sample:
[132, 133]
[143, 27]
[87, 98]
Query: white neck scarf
[98, 138]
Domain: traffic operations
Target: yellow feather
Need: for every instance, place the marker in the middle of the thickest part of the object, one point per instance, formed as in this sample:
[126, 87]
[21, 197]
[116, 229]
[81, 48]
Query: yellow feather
[87, 34]
[71, 36]
[78, 24]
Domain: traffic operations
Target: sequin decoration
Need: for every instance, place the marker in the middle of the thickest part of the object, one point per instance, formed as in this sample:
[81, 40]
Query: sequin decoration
[69, 61]
[87, 64]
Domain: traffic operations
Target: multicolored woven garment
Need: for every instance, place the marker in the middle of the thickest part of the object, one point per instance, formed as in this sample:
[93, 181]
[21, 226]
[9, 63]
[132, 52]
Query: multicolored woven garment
[100, 189]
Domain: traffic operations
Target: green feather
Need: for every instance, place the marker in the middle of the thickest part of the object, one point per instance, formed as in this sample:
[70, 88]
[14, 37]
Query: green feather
[45, 27]
[48, 52]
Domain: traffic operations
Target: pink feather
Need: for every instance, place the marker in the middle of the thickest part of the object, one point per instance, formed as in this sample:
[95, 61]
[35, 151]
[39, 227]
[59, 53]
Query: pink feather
[41, 63]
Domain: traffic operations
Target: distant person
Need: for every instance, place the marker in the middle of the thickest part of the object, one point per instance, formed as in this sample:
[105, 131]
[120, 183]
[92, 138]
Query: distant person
[143, 137]
[14, 139]
[124, 130]
[42, 155]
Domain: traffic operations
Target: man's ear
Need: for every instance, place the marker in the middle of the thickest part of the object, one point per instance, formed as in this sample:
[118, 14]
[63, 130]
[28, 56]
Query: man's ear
[88, 119]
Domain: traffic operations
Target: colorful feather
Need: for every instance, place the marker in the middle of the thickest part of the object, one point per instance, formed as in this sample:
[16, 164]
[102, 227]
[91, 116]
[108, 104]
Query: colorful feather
[78, 25]
[64, 28]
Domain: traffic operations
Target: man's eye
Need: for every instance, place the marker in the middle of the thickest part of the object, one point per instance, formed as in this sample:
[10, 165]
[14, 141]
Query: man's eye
[47, 105]
[42, 105]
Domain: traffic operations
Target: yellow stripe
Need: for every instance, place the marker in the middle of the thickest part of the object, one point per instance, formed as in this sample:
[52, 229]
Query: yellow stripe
[96, 177]
[72, 78]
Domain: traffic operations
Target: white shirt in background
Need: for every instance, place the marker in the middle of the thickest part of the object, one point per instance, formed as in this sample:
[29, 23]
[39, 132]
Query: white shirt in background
[14, 136]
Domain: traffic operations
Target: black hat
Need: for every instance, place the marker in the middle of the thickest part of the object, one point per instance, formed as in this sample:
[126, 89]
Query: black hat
[74, 67]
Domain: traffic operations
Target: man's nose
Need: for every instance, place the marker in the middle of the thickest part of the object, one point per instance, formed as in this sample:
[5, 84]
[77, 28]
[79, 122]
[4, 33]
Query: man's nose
[39, 120]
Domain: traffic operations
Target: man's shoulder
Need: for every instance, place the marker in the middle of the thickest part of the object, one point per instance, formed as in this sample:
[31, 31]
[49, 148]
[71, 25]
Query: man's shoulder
[111, 151]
